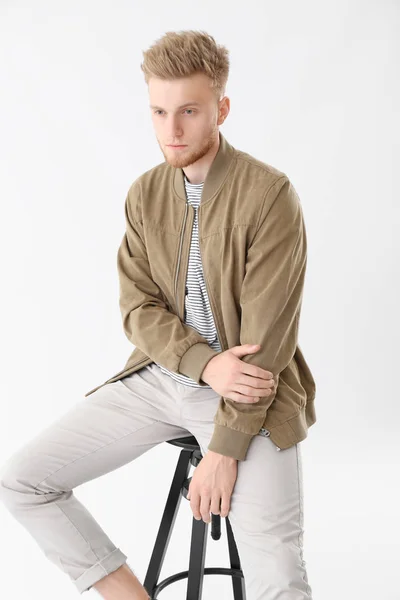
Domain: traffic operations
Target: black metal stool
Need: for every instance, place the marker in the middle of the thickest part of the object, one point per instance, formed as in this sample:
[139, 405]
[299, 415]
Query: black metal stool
[190, 455]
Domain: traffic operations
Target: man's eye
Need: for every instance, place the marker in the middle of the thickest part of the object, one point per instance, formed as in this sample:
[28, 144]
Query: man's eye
[157, 111]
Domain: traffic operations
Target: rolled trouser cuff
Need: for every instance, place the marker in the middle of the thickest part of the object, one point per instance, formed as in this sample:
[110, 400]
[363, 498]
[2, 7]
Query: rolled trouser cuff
[104, 567]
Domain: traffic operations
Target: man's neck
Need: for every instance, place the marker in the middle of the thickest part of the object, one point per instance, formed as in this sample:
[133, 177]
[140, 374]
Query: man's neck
[197, 172]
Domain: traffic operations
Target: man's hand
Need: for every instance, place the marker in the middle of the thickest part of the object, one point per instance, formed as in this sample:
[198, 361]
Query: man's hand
[212, 485]
[237, 380]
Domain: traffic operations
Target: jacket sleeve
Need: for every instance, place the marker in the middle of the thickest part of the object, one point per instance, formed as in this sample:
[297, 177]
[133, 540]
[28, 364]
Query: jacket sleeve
[147, 321]
[270, 302]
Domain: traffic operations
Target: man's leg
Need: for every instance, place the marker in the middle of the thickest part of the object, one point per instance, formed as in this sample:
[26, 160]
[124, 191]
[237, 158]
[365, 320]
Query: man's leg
[267, 522]
[104, 431]
[266, 510]
[121, 584]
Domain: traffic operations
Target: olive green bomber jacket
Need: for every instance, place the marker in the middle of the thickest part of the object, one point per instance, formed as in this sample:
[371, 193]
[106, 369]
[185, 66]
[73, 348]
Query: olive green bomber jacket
[253, 247]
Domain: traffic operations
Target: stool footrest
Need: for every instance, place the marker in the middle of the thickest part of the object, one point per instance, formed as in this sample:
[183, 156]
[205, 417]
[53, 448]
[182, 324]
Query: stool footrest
[184, 574]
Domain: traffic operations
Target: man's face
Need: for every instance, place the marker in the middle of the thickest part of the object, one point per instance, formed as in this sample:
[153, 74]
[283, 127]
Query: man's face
[194, 125]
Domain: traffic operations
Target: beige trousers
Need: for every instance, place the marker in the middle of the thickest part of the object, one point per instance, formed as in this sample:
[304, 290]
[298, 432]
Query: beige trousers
[116, 424]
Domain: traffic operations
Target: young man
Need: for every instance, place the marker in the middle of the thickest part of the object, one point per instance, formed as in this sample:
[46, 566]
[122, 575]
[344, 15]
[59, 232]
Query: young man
[211, 269]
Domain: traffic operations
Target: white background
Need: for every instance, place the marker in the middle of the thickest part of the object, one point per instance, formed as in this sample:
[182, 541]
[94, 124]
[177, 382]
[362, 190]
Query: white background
[314, 91]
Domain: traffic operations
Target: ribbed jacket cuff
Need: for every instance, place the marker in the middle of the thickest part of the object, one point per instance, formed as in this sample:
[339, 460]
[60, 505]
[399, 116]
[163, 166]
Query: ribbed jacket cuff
[230, 442]
[194, 360]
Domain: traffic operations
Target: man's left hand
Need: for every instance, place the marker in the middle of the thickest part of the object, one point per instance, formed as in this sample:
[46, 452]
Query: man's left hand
[212, 485]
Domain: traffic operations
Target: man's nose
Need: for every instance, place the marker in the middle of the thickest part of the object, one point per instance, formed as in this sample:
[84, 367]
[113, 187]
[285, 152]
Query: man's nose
[175, 129]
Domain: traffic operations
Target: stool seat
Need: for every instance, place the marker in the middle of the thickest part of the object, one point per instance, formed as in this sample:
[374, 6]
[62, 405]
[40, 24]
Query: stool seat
[190, 455]
[188, 442]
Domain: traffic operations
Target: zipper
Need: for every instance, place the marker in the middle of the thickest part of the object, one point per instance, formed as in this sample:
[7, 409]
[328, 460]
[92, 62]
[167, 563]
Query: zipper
[179, 258]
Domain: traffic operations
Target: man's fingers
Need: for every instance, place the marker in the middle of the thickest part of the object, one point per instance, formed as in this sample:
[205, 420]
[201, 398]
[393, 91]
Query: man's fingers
[215, 504]
[225, 505]
[205, 507]
[195, 506]
[202, 505]
[236, 397]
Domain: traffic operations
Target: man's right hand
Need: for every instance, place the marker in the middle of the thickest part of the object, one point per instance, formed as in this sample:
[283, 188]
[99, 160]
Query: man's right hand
[234, 379]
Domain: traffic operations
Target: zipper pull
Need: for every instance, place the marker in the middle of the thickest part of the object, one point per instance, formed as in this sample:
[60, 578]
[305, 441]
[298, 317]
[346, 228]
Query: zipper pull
[267, 433]
[264, 432]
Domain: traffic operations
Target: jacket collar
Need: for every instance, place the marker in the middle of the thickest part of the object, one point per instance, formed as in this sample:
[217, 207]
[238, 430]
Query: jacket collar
[216, 174]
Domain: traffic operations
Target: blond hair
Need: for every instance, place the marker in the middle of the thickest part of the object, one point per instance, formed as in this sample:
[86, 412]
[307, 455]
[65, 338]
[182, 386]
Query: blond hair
[184, 53]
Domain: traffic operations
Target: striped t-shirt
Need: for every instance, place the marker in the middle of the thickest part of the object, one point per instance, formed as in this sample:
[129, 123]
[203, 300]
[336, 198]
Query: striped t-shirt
[197, 306]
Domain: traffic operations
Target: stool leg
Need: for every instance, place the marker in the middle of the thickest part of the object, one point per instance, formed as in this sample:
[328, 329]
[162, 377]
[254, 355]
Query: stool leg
[238, 583]
[197, 559]
[167, 522]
